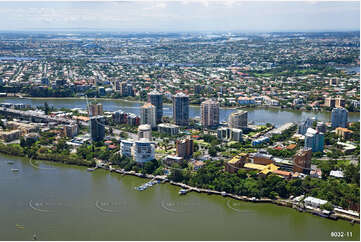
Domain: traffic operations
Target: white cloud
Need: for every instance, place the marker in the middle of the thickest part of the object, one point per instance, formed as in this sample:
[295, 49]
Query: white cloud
[181, 15]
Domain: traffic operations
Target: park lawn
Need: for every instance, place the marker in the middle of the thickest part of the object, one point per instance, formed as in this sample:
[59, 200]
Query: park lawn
[202, 143]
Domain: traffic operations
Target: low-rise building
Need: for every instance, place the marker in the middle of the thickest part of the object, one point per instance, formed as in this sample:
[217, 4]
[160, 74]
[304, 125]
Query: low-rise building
[347, 148]
[236, 162]
[171, 159]
[314, 202]
[251, 166]
[263, 159]
[283, 164]
[315, 172]
[197, 165]
[23, 127]
[11, 135]
[343, 132]
[337, 174]
[31, 137]
[260, 141]
[169, 129]
[281, 129]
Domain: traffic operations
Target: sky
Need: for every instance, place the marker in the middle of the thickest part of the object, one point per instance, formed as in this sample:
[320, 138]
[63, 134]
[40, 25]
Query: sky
[181, 16]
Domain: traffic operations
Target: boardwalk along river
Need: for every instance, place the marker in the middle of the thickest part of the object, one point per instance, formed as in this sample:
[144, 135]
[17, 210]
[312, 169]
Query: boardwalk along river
[62, 202]
[256, 115]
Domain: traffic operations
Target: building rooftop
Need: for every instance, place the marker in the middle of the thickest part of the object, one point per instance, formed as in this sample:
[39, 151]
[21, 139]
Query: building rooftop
[148, 105]
[173, 157]
[239, 112]
[338, 174]
[315, 200]
[282, 173]
[282, 161]
[154, 92]
[263, 155]
[180, 94]
[210, 101]
[343, 129]
[236, 158]
[311, 131]
[168, 125]
[269, 168]
[291, 146]
[144, 127]
[254, 166]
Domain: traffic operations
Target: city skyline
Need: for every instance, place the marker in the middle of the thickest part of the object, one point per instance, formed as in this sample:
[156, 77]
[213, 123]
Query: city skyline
[181, 16]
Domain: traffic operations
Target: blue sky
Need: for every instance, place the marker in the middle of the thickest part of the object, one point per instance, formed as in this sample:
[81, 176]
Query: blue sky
[186, 15]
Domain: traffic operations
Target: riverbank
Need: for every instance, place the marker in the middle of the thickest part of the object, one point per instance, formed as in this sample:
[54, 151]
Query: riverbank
[11, 150]
[279, 202]
[125, 100]
[108, 99]
[257, 116]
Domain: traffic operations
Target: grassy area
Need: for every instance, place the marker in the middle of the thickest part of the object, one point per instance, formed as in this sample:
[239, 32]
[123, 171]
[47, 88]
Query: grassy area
[263, 74]
[160, 151]
[202, 143]
[231, 143]
[252, 134]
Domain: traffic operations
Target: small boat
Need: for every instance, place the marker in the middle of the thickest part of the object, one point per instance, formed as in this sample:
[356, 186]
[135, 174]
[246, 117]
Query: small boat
[10, 162]
[140, 188]
[182, 192]
[91, 169]
[14, 170]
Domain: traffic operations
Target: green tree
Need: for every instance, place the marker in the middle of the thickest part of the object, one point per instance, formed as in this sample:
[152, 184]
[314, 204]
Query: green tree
[328, 206]
[46, 108]
[212, 151]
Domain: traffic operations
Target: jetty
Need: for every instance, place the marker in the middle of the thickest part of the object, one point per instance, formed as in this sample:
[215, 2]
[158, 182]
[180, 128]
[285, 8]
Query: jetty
[186, 189]
[147, 185]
